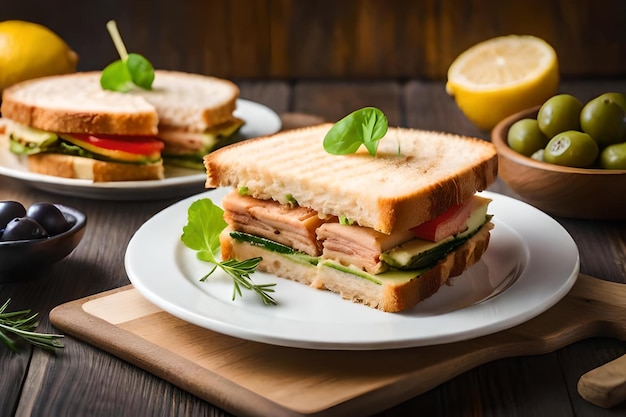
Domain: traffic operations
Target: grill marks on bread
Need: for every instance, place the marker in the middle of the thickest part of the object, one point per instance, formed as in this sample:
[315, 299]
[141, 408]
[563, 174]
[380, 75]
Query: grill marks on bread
[414, 175]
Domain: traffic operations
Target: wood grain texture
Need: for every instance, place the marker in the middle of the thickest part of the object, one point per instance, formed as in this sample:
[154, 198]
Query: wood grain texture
[256, 379]
[605, 386]
[327, 39]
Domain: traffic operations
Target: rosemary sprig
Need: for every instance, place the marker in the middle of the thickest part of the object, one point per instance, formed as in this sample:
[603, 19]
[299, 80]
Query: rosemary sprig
[240, 272]
[21, 324]
[205, 223]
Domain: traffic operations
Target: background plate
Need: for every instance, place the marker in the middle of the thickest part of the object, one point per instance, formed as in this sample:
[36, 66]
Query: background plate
[260, 120]
[531, 263]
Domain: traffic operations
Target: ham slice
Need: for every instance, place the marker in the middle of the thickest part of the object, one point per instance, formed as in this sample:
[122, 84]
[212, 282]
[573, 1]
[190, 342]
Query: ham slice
[292, 226]
[358, 246]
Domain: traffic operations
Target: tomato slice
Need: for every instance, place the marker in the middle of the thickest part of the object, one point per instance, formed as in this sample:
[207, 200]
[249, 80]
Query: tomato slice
[452, 221]
[141, 145]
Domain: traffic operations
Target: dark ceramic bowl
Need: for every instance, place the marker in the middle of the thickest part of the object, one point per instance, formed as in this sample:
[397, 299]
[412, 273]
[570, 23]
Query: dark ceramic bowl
[581, 193]
[23, 259]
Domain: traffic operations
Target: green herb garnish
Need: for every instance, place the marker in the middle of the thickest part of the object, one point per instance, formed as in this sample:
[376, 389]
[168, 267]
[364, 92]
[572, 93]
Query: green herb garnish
[365, 126]
[129, 71]
[205, 222]
[345, 221]
[21, 324]
[291, 201]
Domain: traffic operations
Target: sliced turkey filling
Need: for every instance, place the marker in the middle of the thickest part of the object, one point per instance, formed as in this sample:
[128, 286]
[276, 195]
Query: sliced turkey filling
[183, 142]
[365, 248]
[352, 245]
[291, 226]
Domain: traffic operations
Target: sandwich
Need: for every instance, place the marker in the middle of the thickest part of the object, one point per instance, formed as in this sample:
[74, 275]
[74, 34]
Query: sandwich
[386, 231]
[69, 126]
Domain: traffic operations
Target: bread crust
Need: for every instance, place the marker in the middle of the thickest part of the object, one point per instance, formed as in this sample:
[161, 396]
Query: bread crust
[69, 166]
[386, 297]
[75, 103]
[415, 176]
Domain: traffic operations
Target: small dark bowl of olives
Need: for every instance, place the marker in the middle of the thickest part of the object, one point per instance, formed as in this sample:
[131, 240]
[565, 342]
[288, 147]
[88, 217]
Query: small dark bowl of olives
[33, 239]
[569, 174]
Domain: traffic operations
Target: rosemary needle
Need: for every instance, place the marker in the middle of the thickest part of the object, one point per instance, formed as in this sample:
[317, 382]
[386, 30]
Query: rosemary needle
[21, 324]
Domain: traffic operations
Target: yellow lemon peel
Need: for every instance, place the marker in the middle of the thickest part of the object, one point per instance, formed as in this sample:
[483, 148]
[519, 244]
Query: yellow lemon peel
[29, 50]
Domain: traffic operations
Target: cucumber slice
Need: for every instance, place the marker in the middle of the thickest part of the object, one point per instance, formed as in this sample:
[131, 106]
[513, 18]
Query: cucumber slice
[418, 254]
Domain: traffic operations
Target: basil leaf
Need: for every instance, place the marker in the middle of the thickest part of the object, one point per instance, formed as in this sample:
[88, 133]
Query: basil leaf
[130, 70]
[116, 77]
[204, 223]
[365, 126]
[374, 128]
[141, 71]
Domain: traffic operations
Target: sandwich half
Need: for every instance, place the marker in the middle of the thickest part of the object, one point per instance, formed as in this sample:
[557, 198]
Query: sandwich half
[195, 115]
[385, 231]
[69, 126]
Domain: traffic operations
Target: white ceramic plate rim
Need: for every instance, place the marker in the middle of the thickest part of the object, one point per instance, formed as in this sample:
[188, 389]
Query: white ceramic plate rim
[259, 120]
[525, 242]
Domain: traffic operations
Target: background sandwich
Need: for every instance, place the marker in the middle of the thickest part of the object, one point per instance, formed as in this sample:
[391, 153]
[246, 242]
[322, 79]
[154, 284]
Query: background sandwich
[195, 115]
[69, 126]
[386, 231]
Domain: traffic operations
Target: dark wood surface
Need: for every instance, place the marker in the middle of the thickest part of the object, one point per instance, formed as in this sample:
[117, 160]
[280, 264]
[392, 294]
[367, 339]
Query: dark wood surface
[84, 381]
[329, 39]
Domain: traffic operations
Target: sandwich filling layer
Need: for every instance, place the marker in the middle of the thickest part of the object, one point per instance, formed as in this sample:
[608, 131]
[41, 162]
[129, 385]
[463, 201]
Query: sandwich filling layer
[187, 149]
[302, 235]
[141, 150]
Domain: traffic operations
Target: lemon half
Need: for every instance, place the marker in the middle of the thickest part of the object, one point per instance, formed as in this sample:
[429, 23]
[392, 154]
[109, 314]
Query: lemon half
[501, 76]
[29, 50]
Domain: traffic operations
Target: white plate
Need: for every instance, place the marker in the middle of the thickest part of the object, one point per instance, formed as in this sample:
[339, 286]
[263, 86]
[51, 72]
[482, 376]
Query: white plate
[531, 263]
[259, 120]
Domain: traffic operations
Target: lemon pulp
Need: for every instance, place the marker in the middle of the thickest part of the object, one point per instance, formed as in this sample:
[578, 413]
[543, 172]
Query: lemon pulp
[502, 76]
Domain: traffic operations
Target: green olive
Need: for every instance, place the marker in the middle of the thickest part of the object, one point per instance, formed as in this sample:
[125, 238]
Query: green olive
[617, 98]
[538, 155]
[559, 114]
[620, 100]
[614, 156]
[571, 148]
[525, 137]
[603, 119]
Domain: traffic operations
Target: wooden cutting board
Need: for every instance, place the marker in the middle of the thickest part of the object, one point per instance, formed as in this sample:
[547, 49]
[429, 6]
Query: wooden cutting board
[255, 379]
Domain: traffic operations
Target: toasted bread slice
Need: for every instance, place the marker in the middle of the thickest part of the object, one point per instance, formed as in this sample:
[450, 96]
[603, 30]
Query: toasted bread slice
[389, 296]
[415, 176]
[191, 102]
[76, 103]
[69, 166]
[272, 262]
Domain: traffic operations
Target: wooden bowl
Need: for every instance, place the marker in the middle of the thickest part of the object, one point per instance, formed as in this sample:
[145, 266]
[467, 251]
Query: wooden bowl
[581, 193]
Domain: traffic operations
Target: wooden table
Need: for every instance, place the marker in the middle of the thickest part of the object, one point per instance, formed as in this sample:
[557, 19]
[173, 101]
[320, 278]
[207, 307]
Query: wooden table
[85, 381]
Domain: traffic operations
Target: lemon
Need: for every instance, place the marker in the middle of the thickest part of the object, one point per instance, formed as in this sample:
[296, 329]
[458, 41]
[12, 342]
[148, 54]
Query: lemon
[29, 50]
[501, 76]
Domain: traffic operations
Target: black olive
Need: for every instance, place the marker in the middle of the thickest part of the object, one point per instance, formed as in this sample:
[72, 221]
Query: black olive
[9, 210]
[49, 216]
[23, 228]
